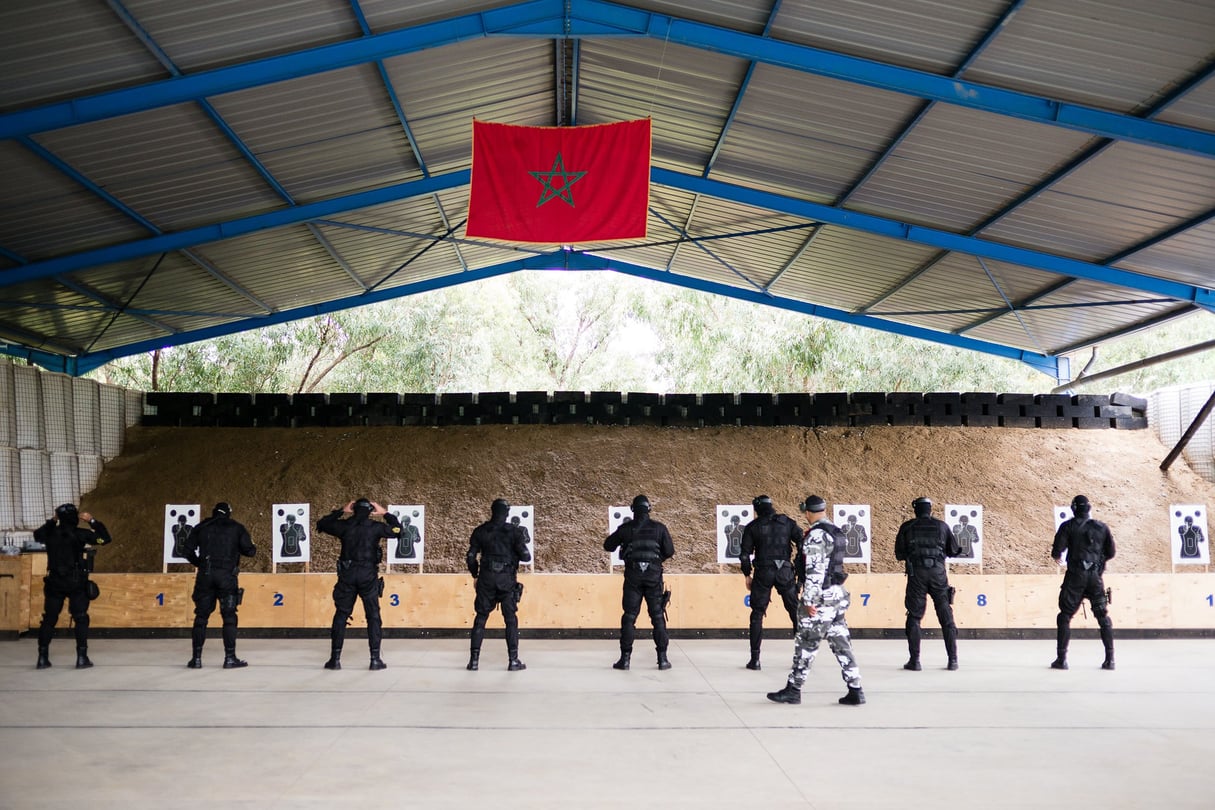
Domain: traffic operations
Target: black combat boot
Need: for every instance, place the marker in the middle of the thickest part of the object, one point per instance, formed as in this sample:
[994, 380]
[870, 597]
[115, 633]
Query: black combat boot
[231, 661]
[44, 658]
[790, 694]
[953, 663]
[951, 646]
[514, 664]
[663, 662]
[1108, 663]
[1060, 662]
[376, 661]
[196, 661]
[474, 661]
[623, 663]
[82, 657]
[754, 662]
[855, 697]
[913, 665]
[335, 659]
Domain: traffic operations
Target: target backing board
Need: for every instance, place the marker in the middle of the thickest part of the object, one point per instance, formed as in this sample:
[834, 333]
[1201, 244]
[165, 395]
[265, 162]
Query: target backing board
[732, 519]
[180, 520]
[966, 523]
[525, 518]
[409, 547]
[291, 530]
[854, 521]
[1189, 534]
[617, 515]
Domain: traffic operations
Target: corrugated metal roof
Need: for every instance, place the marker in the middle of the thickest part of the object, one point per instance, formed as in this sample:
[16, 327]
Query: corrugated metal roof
[986, 170]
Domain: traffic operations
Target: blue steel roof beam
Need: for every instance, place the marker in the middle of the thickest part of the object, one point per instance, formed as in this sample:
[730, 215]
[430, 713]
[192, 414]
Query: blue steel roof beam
[1206, 302]
[71, 172]
[596, 18]
[725, 129]
[1199, 77]
[215, 232]
[1009, 12]
[399, 109]
[62, 363]
[243, 76]
[935, 237]
[129, 20]
[88, 362]
[815, 212]
[66, 169]
[1052, 366]
[354, 226]
[36, 340]
[908, 81]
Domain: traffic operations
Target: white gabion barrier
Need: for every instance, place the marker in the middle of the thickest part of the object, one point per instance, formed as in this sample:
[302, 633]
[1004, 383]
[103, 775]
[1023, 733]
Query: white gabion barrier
[1171, 411]
[56, 432]
[35, 475]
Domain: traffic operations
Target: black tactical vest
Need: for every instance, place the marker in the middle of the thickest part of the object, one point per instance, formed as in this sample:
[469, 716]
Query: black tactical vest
[498, 545]
[926, 549]
[644, 544]
[772, 535]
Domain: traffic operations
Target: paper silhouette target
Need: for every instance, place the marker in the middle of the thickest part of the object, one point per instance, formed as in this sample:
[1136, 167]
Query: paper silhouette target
[409, 547]
[291, 528]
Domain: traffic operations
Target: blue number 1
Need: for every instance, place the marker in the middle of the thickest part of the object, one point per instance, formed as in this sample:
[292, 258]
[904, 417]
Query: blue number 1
[1211, 599]
[160, 598]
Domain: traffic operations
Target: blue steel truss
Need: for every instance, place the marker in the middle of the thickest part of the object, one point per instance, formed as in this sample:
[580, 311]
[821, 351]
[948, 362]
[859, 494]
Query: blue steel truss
[594, 19]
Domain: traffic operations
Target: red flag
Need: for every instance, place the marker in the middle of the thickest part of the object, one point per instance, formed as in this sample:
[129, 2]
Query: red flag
[559, 184]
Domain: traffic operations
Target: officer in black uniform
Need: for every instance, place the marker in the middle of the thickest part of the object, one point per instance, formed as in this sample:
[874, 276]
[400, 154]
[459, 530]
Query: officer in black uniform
[215, 548]
[501, 546]
[644, 544]
[1089, 546]
[922, 544]
[775, 539]
[69, 559]
[358, 572]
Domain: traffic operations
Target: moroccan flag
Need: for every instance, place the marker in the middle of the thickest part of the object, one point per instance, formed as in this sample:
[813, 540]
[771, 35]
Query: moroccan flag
[559, 184]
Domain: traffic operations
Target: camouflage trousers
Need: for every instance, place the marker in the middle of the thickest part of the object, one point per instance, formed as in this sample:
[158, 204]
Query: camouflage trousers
[828, 622]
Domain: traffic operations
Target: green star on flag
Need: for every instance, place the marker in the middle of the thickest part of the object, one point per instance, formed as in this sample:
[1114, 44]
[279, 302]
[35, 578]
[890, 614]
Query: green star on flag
[612, 170]
[549, 180]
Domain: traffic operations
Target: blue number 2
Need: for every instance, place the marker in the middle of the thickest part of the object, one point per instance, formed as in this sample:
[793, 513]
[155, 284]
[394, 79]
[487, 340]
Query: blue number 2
[278, 600]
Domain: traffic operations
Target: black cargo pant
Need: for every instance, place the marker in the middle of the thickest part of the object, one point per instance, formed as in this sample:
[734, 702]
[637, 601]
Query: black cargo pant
[1080, 584]
[496, 588]
[923, 582]
[211, 587]
[765, 577]
[356, 579]
[642, 584]
[57, 589]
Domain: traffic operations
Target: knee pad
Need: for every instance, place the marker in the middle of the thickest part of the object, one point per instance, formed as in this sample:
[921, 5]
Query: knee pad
[1103, 617]
[630, 618]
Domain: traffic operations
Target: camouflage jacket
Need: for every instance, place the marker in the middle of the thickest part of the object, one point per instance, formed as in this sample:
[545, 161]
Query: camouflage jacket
[817, 546]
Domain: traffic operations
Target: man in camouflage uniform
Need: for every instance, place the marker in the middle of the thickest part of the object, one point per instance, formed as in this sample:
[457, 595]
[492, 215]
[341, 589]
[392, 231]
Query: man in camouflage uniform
[826, 602]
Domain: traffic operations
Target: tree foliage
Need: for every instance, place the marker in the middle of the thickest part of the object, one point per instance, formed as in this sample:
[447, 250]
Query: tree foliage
[592, 331]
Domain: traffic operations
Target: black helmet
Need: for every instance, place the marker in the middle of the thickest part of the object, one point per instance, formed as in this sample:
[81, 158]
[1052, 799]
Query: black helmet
[640, 505]
[1081, 506]
[812, 503]
[363, 507]
[66, 510]
[762, 505]
[500, 508]
[922, 507]
[222, 509]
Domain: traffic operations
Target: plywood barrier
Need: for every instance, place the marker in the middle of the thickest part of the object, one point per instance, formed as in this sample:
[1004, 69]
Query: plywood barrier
[592, 601]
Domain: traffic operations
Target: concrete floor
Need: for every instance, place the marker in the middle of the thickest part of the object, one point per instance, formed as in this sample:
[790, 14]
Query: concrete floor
[139, 730]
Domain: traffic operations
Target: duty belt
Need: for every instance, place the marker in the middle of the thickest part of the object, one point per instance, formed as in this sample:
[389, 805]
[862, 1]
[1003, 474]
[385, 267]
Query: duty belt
[778, 563]
[642, 566]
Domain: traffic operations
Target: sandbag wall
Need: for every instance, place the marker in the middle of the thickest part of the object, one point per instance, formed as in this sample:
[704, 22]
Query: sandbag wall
[56, 433]
[860, 409]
